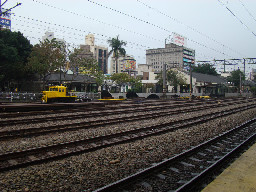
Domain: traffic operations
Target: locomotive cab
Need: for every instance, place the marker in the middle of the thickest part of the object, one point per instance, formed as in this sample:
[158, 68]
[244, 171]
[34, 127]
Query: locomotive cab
[57, 94]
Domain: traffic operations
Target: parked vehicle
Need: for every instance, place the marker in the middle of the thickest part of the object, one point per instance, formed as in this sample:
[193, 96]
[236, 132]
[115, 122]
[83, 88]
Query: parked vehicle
[58, 94]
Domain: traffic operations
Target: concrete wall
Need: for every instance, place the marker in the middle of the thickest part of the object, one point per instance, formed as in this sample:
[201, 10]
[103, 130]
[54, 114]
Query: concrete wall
[145, 95]
[169, 95]
[238, 95]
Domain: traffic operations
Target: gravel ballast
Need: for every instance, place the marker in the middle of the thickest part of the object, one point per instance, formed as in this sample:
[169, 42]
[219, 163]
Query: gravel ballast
[90, 171]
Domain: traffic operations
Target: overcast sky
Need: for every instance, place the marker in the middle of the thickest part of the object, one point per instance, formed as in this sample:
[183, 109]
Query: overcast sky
[210, 27]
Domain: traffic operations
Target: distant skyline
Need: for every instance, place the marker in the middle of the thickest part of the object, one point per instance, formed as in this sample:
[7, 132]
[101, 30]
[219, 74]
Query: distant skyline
[216, 29]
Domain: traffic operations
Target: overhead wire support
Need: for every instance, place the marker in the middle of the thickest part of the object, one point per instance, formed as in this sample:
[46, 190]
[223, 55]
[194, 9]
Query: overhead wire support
[5, 12]
[3, 3]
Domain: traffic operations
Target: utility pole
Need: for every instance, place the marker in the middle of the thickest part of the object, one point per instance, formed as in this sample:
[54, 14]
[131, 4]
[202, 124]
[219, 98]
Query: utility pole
[224, 66]
[0, 9]
[240, 83]
[164, 81]
[244, 66]
[190, 84]
[6, 11]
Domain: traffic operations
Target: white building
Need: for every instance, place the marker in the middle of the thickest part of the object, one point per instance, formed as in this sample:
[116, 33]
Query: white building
[50, 36]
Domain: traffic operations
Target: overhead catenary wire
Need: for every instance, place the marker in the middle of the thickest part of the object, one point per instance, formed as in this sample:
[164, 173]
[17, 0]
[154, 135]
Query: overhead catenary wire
[189, 27]
[63, 31]
[119, 12]
[247, 11]
[99, 21]
[78, 30]
[232, 13]
[131, 16]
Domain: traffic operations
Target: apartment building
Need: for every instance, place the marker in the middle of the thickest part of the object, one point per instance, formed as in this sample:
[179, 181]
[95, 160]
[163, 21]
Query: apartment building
[124, 64]
[100, 53]
[174, 56]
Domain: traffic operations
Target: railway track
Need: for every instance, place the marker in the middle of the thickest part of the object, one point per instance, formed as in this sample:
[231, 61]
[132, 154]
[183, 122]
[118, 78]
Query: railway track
[42, 154]
[104, 107]
[34, 131]
[186, 171]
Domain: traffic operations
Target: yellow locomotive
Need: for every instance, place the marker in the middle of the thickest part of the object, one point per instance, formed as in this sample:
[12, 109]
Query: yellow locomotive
[57, 94]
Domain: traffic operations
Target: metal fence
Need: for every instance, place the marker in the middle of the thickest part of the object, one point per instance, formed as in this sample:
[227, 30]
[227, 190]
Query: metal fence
[20, 97]
[36, 97]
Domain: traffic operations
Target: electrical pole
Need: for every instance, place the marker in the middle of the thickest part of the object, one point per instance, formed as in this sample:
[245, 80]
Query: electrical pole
[164, 81]
[6, 11]
[244, 66]
[240, 83]
[190, 84]
[224, 66]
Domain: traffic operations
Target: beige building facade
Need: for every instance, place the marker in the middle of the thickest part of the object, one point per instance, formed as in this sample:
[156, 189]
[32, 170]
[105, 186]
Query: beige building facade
[100, 53]
[174, 56]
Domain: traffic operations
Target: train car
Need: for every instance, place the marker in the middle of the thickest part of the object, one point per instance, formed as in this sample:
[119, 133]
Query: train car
[57, 94]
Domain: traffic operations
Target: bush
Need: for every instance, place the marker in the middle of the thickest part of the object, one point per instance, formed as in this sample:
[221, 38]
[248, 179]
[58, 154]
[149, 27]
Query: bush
[131, 94]
[153, 96]
[106, 95]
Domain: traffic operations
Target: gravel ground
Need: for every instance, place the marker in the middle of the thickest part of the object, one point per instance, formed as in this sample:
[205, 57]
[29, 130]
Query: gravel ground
[90, 171]
[50, 139]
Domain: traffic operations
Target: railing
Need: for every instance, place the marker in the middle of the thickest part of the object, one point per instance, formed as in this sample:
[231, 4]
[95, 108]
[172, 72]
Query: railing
[20, 97]
[12, 97]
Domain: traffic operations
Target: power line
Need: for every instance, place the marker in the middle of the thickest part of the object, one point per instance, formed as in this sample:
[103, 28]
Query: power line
[117, 26]
[237, 18]
[133, 44]
[151, 24]
[6, 11]
[99, 21]
[247, 10]
[131, 16]
[189, 27]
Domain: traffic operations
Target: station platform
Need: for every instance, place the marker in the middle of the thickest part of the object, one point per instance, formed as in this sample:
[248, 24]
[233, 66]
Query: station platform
[240, 176]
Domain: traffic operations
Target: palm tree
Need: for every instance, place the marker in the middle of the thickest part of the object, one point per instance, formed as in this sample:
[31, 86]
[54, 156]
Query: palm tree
[117, 49]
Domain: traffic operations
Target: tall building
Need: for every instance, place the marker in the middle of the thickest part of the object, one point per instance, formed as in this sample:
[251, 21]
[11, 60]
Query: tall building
[174, 56]
[100, 53]
[124, 64]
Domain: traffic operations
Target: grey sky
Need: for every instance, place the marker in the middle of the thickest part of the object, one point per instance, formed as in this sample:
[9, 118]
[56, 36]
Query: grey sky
[209, 26]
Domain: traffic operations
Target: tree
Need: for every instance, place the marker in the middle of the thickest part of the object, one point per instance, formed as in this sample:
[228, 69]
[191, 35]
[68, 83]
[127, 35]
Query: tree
[120, 78]
[46, 57]
[123, 79]
[14, 51]
[205, 68]
[173, 77]
[117, 49]
[80, 63]
[235, 77]
[85, 65]
[136, 84]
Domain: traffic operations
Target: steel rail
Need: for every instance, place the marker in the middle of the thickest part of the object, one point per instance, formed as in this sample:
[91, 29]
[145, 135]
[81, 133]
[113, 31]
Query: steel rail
[37, 155]
[193, 183]
[6, 135]
[94, 114]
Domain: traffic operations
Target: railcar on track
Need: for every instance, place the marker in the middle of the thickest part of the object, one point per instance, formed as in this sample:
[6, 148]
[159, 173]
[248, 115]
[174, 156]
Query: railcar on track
[58, 94]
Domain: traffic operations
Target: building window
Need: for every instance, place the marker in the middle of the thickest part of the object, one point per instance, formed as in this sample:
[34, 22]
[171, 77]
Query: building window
[100, 52]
